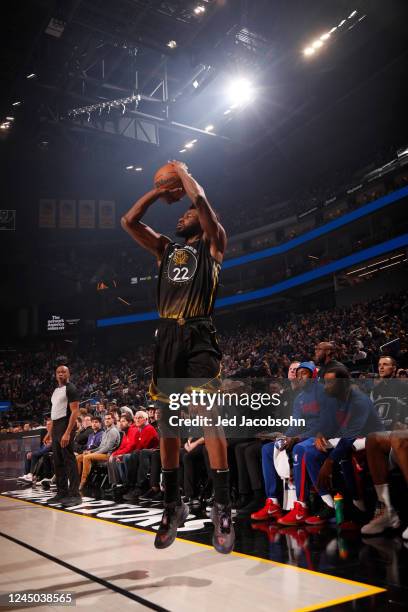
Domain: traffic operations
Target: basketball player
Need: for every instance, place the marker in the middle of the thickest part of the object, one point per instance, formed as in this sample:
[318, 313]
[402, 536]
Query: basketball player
[186, 342]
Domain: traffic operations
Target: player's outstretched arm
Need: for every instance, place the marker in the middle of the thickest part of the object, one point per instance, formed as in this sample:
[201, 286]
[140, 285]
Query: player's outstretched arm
[144, 235]
[213, 229]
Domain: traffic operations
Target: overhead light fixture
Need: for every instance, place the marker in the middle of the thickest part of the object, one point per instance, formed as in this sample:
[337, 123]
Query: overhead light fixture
[352, 15]
[342, 22]
[199, 10]
[4, 126]
[172, 44]
[309, 51]
[182, 150]
[317, 44]
[399, 255]
[227, 112]
[194, 141]
[325, 36]
[189, 145]
[31, 76]
[209, 128]
[333, 30]
[10, 118]
[129, 167]
[389, 265]
[138, 169]
[16, 103]
[241, 91]
[195, 84]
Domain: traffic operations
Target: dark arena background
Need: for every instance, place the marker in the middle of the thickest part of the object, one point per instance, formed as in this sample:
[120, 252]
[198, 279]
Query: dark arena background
[292, 116]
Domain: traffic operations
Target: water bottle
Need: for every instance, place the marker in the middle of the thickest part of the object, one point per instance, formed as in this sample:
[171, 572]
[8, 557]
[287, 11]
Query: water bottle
[339, 508]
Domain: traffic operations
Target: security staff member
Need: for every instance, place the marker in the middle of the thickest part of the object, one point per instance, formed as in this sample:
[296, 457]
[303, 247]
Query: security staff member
[64, 413]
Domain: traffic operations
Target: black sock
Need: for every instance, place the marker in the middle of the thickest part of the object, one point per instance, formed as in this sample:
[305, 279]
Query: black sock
[221, 486]
[171, 486]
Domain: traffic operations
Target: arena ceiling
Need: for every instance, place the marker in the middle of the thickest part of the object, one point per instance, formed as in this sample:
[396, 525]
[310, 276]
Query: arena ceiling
[88, 53]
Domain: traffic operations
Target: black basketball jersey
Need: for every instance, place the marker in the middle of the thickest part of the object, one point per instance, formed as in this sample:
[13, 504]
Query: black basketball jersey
[188, 281]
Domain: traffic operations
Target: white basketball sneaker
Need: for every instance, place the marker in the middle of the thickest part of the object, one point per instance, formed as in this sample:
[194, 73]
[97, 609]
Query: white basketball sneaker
[383, 519]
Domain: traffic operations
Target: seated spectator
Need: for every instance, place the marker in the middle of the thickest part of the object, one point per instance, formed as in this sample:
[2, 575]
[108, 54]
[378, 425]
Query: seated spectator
[353, 416]
[84, 430]
[110, 440]
[95, 438]
[32, 457]
[135, 471]
[306, 406]
[389, 394]
[126, 410]
[127, 445]
[324, 357]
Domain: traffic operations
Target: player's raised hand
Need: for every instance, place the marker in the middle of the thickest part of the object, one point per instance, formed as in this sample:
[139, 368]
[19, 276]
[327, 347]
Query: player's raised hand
[179, 165]
[171, 195]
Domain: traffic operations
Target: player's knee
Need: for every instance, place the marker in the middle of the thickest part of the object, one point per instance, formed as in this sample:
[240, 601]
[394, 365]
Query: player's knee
[399, 441]
[374, 440]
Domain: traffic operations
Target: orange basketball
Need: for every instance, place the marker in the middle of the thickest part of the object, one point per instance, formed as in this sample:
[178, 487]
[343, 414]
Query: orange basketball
[167, 178]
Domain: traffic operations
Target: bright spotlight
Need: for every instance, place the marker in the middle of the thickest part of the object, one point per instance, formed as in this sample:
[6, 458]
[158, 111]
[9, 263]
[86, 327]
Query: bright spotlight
[139, 169]
[30, 76]
[317, 44]
[172, 44]
[352, 14]
[16, 104]
[209, 128]
[189, 145]
[342, 22]
[182, 150]
[241, 92]
[195, 84]
[10, 118]
[308, 51]
[199, 10]
[129, 167]
[325, 36]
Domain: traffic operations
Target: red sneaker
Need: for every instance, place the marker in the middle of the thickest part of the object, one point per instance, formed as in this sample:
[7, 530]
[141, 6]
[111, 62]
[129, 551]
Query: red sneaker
[269, 511]
[296, 516]
[324, 515]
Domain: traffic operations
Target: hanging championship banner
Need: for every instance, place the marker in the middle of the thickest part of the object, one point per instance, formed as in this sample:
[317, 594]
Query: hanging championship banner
[47, 214]
[67, 215]
[106, 214]
[86, 214]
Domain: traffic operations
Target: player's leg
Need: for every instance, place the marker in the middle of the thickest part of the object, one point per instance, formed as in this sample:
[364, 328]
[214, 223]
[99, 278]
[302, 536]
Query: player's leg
[300, 512]
[271, 509]
[399, 447]
[378, 447]
[314, 460]
[205, 366]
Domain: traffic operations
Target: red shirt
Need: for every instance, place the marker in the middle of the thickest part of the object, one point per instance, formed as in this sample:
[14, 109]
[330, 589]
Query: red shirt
[147, 437]
[136, 438]
[128, 443]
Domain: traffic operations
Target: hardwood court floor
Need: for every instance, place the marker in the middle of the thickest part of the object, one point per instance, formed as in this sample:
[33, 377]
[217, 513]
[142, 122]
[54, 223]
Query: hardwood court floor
[108, 563]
